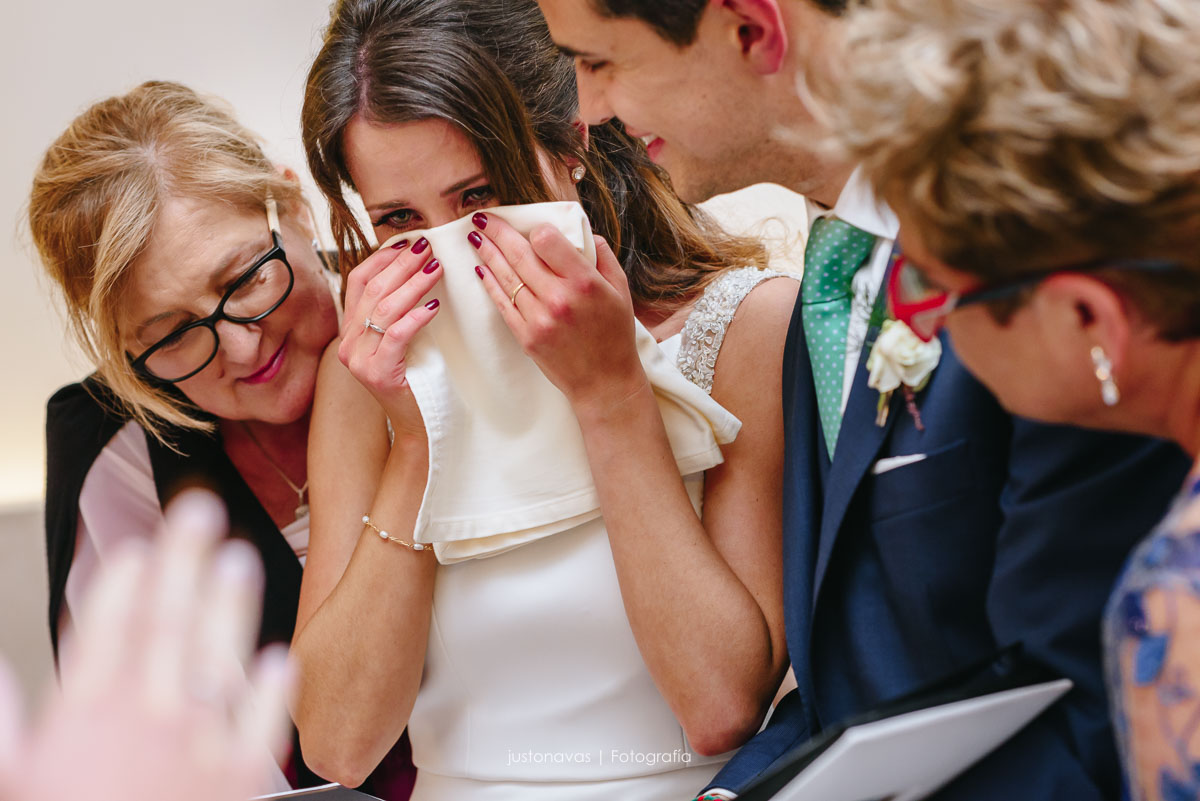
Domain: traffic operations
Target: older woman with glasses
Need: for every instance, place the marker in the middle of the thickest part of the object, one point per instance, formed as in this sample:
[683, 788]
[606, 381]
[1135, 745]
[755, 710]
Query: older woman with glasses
[192, 279]
[1044, 159]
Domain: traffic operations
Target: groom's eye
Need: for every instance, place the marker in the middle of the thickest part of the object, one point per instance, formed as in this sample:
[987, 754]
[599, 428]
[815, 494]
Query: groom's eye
[591, 66]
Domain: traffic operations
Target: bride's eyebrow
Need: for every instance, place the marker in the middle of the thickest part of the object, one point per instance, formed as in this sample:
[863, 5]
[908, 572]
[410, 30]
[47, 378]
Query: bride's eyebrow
[452, 190]
[463, 184]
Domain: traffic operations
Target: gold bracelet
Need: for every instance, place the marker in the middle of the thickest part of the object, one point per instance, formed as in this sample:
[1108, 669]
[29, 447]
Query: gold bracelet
[383, 535]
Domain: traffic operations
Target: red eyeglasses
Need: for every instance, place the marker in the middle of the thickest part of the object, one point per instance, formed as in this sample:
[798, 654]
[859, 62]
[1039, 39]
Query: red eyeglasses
[923, 307]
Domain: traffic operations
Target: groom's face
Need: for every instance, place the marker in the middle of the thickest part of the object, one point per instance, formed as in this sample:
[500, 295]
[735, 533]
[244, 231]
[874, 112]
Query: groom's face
[718, 114]
[694, 106]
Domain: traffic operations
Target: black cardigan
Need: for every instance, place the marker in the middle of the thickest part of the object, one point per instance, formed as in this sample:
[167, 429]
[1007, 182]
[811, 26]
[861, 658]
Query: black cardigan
[80, 421]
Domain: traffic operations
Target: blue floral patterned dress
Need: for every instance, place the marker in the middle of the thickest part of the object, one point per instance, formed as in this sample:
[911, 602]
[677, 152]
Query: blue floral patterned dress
[1152, 647]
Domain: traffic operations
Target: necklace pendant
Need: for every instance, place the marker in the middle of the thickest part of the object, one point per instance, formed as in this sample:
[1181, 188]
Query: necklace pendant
[301, 510]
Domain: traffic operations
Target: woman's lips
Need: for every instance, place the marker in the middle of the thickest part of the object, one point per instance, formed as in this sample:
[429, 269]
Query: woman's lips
[269, 370]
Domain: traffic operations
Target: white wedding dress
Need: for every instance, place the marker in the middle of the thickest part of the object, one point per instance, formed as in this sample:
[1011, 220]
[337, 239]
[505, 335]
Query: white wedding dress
[533, 686]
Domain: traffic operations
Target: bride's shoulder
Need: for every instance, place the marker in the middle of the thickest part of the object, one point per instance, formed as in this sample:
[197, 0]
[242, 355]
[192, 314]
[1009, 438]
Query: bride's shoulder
[760, 322]
[740, 321]
[772, 293]
[747, 375]
[753, 302]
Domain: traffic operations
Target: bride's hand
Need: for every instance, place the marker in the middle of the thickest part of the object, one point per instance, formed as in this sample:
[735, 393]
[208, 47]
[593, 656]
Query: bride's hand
[383, 314]
[573, 318]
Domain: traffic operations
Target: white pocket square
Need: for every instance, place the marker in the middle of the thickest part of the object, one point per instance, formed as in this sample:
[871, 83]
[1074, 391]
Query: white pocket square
[894, 462]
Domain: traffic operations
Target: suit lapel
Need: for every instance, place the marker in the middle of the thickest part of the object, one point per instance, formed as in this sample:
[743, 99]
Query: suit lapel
[804, 470]
[859, 443]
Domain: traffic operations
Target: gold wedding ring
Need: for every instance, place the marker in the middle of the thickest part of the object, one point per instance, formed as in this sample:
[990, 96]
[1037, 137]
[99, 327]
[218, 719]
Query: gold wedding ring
[513, 297]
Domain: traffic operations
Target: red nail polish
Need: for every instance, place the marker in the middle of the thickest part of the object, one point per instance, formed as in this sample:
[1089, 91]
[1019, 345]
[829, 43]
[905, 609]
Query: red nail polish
[433, 304]
[401, 245]
[475, 239]
[479, 272]
[421, 245]
[432, 266]
[480, 220]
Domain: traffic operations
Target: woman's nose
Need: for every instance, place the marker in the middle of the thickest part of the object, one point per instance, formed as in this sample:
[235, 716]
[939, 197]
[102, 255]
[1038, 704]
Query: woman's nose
[239, 342]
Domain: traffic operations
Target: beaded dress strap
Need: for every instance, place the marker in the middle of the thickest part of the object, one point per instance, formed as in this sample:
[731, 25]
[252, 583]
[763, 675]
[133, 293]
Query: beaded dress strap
[704, 330]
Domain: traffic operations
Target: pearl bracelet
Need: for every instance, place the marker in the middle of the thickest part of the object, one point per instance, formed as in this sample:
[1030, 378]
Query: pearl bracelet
[383, 535]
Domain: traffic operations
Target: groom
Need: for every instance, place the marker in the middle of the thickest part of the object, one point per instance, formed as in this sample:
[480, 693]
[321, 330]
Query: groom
[917, 542]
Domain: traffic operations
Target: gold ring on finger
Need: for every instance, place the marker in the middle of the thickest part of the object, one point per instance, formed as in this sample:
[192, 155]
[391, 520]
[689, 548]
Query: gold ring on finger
[513, 297]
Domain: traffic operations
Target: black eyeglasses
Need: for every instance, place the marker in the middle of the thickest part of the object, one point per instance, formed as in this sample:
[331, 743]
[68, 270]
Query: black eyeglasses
[256, 293]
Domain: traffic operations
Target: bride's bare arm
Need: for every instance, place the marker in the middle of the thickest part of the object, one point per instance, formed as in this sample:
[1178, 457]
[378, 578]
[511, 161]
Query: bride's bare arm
[363, 620]
[364, 609]
[704, 598]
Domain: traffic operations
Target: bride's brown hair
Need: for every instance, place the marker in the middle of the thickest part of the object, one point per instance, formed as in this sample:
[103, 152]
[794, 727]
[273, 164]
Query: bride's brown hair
[490, 68]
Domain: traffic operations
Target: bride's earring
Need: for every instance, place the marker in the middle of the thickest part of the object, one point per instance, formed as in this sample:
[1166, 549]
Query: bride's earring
[578, 173]
[1108, 385]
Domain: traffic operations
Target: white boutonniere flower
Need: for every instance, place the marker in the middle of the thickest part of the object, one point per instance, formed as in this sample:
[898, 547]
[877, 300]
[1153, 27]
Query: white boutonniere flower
[901, 360]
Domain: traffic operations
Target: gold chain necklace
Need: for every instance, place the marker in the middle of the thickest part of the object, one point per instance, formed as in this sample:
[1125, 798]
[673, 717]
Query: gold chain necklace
[301, 505]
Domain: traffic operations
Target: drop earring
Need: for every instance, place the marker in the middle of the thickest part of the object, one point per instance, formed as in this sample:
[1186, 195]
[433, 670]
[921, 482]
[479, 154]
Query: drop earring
[1108, 385]
[578, 173]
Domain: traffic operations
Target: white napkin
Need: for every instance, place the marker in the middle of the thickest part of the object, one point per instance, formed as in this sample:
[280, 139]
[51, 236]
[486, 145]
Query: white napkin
[507, 463]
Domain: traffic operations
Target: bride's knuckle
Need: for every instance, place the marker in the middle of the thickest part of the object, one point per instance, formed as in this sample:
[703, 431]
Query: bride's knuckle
[542, 235]
[373, 288]
[559, 309]
[543, 329]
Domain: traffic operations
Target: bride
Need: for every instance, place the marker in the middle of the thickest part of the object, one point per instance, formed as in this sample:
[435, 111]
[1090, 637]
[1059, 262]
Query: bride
[621, 659]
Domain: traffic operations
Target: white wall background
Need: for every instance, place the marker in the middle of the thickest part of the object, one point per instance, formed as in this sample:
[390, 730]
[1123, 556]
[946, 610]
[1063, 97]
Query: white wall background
[56, 59]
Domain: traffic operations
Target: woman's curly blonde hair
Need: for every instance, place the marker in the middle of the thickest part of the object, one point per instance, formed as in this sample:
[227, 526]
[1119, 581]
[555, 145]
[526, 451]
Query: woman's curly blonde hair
[1017, 135]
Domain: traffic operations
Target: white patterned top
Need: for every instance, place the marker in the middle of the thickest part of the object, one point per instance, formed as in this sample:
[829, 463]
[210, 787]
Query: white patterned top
[704, 330]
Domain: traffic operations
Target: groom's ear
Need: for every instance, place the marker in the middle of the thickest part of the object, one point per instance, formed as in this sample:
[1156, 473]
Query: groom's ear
[761, 32]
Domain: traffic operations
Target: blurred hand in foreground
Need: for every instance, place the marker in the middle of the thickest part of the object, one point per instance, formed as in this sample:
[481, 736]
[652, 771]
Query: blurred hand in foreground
[155, 703]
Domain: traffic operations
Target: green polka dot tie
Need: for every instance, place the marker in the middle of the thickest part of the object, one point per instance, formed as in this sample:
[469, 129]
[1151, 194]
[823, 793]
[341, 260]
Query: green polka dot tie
[835, 252]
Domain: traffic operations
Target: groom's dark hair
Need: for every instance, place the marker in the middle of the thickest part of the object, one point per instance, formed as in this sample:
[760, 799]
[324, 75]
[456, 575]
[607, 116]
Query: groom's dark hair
[677, 20]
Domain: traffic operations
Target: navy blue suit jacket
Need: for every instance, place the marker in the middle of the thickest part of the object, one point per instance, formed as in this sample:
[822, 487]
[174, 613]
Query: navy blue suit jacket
[1008, 531]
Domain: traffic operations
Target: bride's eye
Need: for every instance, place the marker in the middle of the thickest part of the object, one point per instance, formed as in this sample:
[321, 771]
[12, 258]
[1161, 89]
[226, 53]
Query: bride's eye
[399, 219]
[478, 196]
